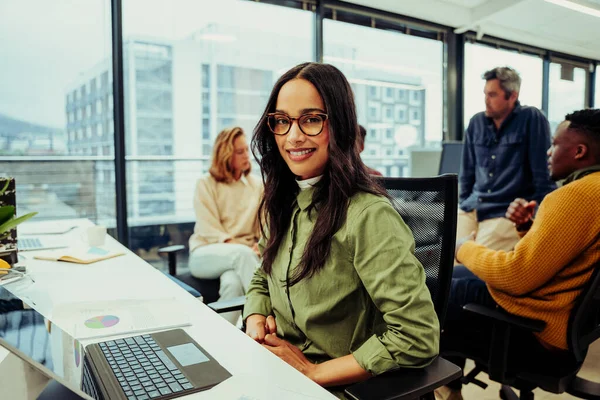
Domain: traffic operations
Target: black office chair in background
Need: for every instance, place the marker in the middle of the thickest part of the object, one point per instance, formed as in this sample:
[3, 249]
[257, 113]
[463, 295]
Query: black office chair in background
[525, 371]
[429, 208]
[208, 289]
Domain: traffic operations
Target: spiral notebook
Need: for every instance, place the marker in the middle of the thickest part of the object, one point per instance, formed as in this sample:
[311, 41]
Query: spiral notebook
[79, 255]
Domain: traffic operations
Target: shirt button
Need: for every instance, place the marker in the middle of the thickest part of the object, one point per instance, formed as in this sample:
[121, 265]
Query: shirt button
[489, 191]
[491, 174]
[493, 157]
[290, 249]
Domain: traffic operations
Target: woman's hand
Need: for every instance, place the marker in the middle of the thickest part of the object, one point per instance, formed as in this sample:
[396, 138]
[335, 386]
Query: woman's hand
[291, 355]
[258, 326]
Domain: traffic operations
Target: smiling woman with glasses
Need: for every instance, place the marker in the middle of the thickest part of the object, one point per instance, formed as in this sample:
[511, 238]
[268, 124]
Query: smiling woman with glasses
[339, 295]
[310, 124]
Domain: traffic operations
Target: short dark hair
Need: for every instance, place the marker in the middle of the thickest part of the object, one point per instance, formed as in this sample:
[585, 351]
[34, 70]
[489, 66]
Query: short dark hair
[362, 131]
[510, 80]
[587, 123]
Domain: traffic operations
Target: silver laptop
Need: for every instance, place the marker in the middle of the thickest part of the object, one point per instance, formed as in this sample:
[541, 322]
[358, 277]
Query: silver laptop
[161, 365]
[26, 338]
[30, 243]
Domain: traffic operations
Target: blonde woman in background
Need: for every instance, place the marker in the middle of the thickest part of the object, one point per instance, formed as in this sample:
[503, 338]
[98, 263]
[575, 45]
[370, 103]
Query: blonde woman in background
[224, 242]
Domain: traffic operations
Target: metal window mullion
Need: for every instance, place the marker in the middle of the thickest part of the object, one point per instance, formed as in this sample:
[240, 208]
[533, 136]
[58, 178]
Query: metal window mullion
[318, 31]
[119, 122]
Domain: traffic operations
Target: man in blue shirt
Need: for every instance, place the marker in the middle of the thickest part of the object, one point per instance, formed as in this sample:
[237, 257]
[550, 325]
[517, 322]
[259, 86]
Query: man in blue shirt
[504, 158]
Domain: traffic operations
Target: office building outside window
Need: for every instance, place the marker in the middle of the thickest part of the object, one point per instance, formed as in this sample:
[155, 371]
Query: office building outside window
[394, 81]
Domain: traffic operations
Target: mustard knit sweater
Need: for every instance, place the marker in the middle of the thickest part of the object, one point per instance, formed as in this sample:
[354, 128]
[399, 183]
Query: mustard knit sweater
[542, 277]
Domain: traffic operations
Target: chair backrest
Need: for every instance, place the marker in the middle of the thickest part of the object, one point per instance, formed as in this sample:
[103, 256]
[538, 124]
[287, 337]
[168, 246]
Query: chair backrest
[429, 208]
[584, 322]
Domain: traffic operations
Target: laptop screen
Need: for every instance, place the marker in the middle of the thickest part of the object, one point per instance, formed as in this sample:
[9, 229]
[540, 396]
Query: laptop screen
[47, 348]
[451, 158]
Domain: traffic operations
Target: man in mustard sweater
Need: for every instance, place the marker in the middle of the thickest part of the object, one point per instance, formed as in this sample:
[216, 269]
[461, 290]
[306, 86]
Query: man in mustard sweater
[548, 268]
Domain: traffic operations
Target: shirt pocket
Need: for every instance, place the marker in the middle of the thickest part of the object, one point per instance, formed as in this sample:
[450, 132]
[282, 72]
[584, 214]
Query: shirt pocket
[511, 150]
[483, 147]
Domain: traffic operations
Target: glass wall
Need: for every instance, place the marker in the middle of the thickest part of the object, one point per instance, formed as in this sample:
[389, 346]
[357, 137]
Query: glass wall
[398, 87]
[56, 135]
[481, 58]
[567, 91]
[192, 68]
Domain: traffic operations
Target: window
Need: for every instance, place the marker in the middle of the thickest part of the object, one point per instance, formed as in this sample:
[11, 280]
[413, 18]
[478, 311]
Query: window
[206, 103]
[480, 58]
[567, 92]
[373, 93]
[401, 95]
[205, 128]
[51, 110]
[415, 97]
[382, 77]
[99, 131]
[373, 134]
[205, 76]
[388, 113]
[415, 116]
[213, 80]
[374, 110]
[401, 115]
[388, 94]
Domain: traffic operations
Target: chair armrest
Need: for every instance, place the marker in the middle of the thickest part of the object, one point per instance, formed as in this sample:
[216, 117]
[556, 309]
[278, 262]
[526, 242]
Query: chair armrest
[171, 252]
[532, 325]
[176, 248]
[406, 383]
[235, 304]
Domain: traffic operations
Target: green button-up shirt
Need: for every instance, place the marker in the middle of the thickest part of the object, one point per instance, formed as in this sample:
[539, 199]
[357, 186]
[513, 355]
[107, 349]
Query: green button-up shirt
[369, 300]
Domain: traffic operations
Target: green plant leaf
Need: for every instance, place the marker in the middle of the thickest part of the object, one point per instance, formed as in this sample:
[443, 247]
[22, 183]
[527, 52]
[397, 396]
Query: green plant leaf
[5, 187]
[10, 224]
[6, 213]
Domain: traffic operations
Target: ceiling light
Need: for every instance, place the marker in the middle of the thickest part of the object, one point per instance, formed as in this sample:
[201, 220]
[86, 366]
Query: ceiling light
[571, 5]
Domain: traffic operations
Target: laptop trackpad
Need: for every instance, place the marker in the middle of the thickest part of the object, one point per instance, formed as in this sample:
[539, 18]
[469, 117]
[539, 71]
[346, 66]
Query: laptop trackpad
[187, 354]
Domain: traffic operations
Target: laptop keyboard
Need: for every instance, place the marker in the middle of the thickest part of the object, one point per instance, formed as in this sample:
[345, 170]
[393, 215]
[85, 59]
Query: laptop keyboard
[29, 243]
[143, 369]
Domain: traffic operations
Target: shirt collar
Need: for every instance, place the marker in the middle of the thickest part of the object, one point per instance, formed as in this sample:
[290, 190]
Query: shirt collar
[244, 180]
[307, 188]
[308, 183]
[510, 116]
[580, 173]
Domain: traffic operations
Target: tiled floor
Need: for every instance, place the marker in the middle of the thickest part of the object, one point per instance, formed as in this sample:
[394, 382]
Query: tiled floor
[590, 371]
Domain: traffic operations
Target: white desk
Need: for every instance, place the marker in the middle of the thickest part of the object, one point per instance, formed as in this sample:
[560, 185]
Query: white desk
[129, 277]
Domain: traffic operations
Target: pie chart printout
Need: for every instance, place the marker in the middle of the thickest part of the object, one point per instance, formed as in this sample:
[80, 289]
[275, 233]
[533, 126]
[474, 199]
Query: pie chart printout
[102, 321]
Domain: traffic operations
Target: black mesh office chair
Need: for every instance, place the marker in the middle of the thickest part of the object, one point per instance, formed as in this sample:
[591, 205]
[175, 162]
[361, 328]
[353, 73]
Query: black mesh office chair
[525, 371]
[429, 207]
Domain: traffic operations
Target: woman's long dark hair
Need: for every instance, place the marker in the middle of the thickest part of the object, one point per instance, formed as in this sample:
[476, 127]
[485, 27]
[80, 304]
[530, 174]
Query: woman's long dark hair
[344, 175]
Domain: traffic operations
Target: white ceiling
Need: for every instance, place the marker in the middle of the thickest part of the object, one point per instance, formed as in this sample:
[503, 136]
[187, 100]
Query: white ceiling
[534, 22]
